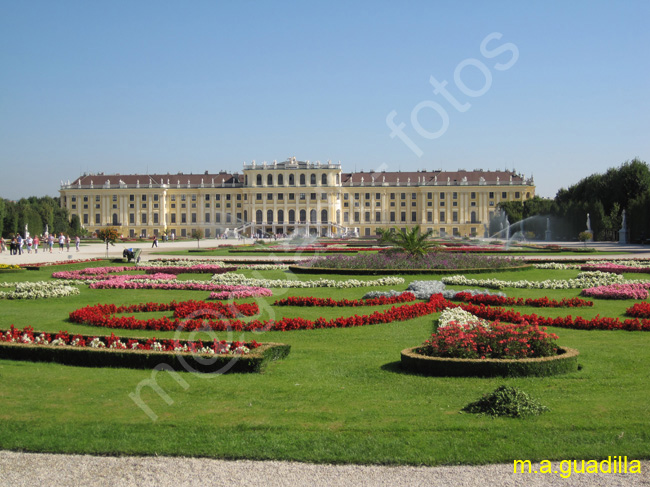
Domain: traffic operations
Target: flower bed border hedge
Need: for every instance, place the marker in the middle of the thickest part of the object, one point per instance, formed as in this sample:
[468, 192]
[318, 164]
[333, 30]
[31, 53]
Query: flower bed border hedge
[370, 272]
[254, 362]
[563, 363]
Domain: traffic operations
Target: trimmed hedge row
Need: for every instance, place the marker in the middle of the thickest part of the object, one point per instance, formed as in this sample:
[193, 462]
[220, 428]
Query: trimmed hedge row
[323, 270]
[255, 361]
[565, 362]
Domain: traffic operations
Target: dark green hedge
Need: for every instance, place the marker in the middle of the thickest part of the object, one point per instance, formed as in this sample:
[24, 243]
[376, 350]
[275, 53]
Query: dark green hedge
[256, 361]
[566, 362]
[365, 272]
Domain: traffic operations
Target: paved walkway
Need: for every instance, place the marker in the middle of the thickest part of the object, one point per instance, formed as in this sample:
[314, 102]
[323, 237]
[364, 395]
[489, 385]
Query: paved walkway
[98, 250]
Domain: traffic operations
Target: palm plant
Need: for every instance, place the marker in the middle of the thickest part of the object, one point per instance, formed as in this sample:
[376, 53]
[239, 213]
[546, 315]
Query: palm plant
[412, 241]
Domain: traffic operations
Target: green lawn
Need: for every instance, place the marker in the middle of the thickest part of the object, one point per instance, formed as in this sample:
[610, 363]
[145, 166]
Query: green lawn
[338, 397]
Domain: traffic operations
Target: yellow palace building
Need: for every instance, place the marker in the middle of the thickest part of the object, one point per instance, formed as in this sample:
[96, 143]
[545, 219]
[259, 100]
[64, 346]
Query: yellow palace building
[293, 196]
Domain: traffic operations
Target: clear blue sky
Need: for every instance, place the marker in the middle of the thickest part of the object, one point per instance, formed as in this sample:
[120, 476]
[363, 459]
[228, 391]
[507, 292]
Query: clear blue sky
[162, 86]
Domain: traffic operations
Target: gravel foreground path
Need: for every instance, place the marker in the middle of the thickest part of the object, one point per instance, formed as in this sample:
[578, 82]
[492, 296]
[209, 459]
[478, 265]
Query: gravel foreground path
[36, 469]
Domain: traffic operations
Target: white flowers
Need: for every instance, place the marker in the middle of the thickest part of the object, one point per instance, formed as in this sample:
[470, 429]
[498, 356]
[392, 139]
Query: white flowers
[39, 290]
[459, 316]
[584, 280]
[216, 263]
[239, 279]
[556, 265]
[96, 343]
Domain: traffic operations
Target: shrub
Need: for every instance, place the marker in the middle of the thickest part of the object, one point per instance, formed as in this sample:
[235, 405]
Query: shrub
[506, 401]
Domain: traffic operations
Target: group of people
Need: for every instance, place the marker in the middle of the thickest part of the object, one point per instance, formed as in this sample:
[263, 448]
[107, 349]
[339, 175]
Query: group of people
[17, 244]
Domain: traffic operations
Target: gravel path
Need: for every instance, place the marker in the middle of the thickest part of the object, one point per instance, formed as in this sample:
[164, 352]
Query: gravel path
[30, 469]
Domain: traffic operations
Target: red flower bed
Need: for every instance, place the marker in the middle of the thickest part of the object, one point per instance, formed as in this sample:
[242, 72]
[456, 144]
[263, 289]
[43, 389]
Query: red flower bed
[639, 310]
[102, 315]
[299, 301]
[189, 315]
[497, 341]
[63, 338]
[578, 323]
[491, 300]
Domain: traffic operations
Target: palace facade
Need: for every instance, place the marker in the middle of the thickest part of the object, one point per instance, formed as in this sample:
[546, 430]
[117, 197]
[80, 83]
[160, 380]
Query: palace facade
[293, 196]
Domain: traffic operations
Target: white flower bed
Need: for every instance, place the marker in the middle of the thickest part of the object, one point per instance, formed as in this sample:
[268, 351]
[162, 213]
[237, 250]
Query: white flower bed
[460, 317]
[557, 265]
[584, 280]
[39, 290]
[625, 262]
[239, 279]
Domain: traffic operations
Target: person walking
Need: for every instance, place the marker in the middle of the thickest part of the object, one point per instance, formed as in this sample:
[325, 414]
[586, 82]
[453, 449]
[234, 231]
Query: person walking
[61, 243]
[77, 240]
[19, 242]
[50, 242]
[67, 243]
[35, 244]
[155, 241]
[29, 241]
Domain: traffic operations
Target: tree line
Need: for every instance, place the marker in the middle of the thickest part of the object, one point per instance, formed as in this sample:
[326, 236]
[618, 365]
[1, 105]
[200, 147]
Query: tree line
[601, 196]
[37, 213]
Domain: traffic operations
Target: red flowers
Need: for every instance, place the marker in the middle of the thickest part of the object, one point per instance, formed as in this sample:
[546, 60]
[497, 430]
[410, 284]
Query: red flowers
[639, 310]
[578, 323]
[494, 342]
[192, 312]
[309, 301]
[492, 300]
[63, 338]
[103, 315]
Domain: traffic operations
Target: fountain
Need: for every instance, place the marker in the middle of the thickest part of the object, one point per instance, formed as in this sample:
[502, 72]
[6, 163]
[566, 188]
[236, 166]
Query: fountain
[589, 230]
[547, 234]
[622, 233]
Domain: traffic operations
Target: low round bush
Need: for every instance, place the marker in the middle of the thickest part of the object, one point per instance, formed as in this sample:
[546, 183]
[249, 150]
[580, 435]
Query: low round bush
[506, 401]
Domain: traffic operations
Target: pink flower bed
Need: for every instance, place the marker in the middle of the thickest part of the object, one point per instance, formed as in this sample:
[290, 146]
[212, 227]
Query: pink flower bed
[615, 268]
[618, 291]
[242, 292]
[90, 273]
[173, 286]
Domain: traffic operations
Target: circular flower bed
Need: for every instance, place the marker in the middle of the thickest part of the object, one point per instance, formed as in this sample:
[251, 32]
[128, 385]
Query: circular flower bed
[566, 361]
[463, 344]
[397, 262]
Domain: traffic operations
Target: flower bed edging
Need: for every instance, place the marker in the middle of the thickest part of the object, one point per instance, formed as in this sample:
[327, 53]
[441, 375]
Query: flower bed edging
[323, 270]
[255, 361]
[563, 363]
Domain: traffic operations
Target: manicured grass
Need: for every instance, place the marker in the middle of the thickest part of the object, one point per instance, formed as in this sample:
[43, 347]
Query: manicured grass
[339, 397]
